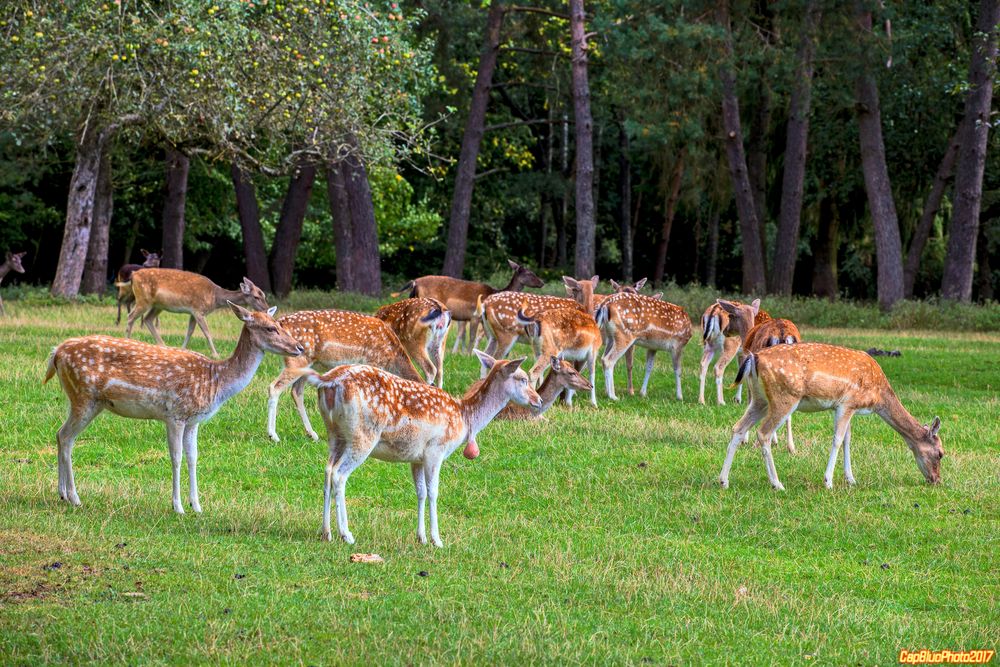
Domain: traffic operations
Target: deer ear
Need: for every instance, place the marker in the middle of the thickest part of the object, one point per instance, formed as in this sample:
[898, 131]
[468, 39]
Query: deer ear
[658, 296]
[8, 255]
[615, 286]
[272, 310]
[514, 364]
[486, 360]
[145, 253]
[934, 427]
[638, 285]
[571, 283]
[556, 363]
[240, 311]
[727, 306]
[596, 281]
[756, 307]
[514, 265]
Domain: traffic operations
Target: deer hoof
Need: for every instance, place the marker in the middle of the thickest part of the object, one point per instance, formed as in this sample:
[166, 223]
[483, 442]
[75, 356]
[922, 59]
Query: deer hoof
[438, 543]
[723, 482]
[326, 536]
[779, 487]
[347, 537]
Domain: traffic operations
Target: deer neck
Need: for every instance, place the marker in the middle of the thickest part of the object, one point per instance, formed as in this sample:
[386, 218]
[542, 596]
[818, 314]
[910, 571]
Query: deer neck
[515, 285]
[899, 418]
[5, 268]
[483, 404]
[549, 391]
[223, 295]
[232, 375]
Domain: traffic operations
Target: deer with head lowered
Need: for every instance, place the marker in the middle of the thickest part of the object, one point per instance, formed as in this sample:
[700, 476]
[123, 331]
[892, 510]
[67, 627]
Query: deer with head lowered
[12, 262]
[142, 381]
[176, 291]
[724, 326]
[331, 338]
[566, 333]
[812, 377]
[421, 324]
[561, 376]
[369, 412]
[124, 277]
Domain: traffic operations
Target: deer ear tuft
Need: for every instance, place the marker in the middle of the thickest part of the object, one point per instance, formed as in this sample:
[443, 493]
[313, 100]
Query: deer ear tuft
[727, 306]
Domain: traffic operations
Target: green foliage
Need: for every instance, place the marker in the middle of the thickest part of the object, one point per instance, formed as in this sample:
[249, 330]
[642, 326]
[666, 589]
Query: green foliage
[402, 223]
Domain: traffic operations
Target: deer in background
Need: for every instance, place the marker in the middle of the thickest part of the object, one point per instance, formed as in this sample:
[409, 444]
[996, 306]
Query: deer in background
[124, 275]
[566, 333]
[633, 319]
[561, 376]
[812, 377]
[12, 262]
[331, 338]
[460, 296]
[369, 412]
[421, 324]
[142, 381]
[176, 291]
[724, 325]
[499, 316]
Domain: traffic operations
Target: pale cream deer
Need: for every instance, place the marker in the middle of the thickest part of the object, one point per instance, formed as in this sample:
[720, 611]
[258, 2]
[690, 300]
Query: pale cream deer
[767, 334]
[724, 325]
[142, 381]
[566, 333]
[421, 324]
[151, 260]
[12, 262]
[561, 376]
[812, 377]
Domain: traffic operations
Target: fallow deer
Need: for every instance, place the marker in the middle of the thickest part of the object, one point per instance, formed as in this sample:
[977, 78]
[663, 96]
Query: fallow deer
[813, 377]
[176, 291]
[724, 325]
[561, 376]
[421, 324]
[768, 334]
[370, 412]
[460, 296]
[332, 338]
[12, 262]
[142, 381]
[566, 333]
[633, 319]
[124, 276]
[499, 317]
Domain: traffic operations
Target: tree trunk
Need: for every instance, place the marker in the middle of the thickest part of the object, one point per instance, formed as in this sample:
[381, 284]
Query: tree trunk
[95, 272]
[960, 257]
[365, 267]
[79, 214]
[289, 231]
[340, 212]
[796, 142]
[465, 174]
[824, 282]
[713, 248]
[585, 227]
[931, 206]
[253, 237]
[671, 193]
[753, 252]
[177, 165]
[985, 273]
[625, 201]
[888, 247]
[562, 211]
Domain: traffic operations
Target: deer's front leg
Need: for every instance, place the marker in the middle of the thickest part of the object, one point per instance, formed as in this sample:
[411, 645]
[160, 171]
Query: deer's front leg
[848, 473]
[298, 389]
[175, 437]
[432, 476]
[203, 325]
[420, 485]
[191, 454]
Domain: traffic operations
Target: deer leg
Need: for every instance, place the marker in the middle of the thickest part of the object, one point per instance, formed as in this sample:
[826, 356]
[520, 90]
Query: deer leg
[190, 331]
[298, 390]
[650, 361]
[848, 473]
[432, 477]
[730, 347]
[352, 457]
[133, 315]
[459, 334]
[473, 329]
[841, 424]
[149, 319]
[629, 359]
[3, 311]
[65, 438]
[777, 413]
[619, 345]
[191, 455]
[118, 320]
[437, 358]
[754, 413]
[707, 353]
[290, 373]
[175, 437]
[791, 441]
[420, 485]
[203, 325]
[592, 363]
[336, 451]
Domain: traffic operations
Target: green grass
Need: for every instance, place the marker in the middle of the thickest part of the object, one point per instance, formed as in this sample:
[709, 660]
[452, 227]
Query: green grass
[597, 536]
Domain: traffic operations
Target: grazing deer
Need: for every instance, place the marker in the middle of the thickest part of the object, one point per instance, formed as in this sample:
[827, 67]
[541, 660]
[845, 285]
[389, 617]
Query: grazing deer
[566, 333]
[723, 327]
[460, 296]
[11, 263]
[422, 327]
[175, 291]
[499, 316]
[561, 376]
[143, 381]
[768, 334]
[331, 338]
[124, 276]
[812, 377]
[370, 412]
[633, 319]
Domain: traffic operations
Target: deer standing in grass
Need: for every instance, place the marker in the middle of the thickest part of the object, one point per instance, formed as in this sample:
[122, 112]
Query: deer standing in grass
[331, 338]
[561, 376]
[768, 334]
[12, 262]
[633, 319]
[460, 296]
[812, 377]
[124, 277]
[499, 317]
[369, 412]
[175, 291]
[422, 327]
[724, 325]
[142, 381]
[566, 333]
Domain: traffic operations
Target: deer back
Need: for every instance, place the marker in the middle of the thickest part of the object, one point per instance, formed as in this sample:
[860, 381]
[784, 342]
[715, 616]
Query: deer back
[821, 376]
[458, 296]
[648, 318]
[174, 290]
[770, 333]
[416, 320]
[501, 308]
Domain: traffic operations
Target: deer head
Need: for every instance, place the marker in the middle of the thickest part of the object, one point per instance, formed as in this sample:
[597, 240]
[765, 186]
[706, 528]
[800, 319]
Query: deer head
[567, 376]
[14, 259]
[151, 260]
[741, 317]
[253, 296]
[524, 275]
[622, 287]
[513, 379]
[265, 332]
[928, 451]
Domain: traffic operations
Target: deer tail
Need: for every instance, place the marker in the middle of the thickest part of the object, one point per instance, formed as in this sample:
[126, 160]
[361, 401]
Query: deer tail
[601, 316]
[749, 365]
[408, 286]
[50, 371]
[710, 326]
[123, 283]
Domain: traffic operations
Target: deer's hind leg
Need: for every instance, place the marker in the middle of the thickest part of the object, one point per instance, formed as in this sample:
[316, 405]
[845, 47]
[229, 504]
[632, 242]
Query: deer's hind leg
[353, 448]
[730, 347]
[620, 344]
[777, 413]
[287, 376]
[754, 413]
[78, 419]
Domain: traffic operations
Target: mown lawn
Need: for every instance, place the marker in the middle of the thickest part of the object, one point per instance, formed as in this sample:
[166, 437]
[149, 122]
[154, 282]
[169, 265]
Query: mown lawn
[597, 536]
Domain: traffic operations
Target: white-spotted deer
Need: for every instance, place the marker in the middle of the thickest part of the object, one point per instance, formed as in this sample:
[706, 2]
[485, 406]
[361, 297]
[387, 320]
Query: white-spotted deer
[767, 334]
[724, 325]
[633, 319]
[460, 296]
[151, 260]
[561, 376]
[369, 412]
[12, 262]
[812, 377]
[331, 338]
[566, 333]
[176, 291]
[142, 381]
[421, 324]
[499, 317]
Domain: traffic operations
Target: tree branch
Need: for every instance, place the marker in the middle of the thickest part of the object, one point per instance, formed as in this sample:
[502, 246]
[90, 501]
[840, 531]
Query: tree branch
[537, 121]
[537, 10]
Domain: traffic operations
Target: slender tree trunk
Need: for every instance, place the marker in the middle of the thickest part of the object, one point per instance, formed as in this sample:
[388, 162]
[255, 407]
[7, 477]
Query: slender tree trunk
[95, 272]
[625, 201]
[289, 231]
[253, 236]
[760, 124]
[960, 258]
[753, 252]
[985, 273]
[824, 282]
[177, 165]
[796, 141]
[366, 268]
[545, 196]
[585, 225]
[672, 193]
[79, 215]
[713, 247]
[562, 243]
[888, 246]
[340, 212]
[465, 174]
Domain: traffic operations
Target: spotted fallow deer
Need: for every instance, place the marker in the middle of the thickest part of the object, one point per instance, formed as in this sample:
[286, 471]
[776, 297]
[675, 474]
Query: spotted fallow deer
[12, 262]
[460, 296]
[499, 317]
[768, 334]
[813, 377]
[724, 325]
[151, 260]
[633, 319]
[370, 412]
[421, 324]
[142, 381]
[561, 376]
[566, 333]
[175, 291]
[332, 338]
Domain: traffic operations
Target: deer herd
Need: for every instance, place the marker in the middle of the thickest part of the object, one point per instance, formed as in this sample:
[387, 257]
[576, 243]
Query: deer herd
[380, 378]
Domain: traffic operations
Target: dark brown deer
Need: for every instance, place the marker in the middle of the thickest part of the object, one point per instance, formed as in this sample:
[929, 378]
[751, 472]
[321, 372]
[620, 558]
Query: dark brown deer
[11, 263]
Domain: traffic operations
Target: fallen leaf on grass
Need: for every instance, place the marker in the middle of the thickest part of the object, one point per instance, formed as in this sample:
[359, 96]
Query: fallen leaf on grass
[366, 558]
[134, 594]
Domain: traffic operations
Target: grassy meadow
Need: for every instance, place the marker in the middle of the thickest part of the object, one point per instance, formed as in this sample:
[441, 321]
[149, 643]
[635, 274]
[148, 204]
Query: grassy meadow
[595, 536]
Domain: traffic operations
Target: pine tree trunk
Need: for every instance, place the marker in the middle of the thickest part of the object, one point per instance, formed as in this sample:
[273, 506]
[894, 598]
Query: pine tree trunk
[585, 225]
[289, 231]
[95, 272]
[79, 215]
[465, 174]
[340, 212]
[826, 244]
[960, 258]
[365, 265]
[625, 201]
[177, 165]
[253, 236]
[672, 193]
